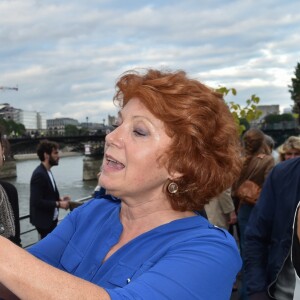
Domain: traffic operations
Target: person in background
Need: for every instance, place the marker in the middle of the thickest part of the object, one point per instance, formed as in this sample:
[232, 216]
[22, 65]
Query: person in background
[220, 210]
[268, 237]
[290, 148]
[45, 201]
[271, 144]
[175, 146]
[258, 162]
[9, 206]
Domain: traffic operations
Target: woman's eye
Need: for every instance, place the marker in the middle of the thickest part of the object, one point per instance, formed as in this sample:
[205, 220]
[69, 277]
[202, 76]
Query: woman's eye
[139, 132]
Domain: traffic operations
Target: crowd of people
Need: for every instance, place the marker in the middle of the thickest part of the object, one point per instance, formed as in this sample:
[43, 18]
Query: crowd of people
[176, 179]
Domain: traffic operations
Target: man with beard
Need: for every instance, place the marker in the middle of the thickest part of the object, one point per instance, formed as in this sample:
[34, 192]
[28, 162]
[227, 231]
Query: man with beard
[44, 196]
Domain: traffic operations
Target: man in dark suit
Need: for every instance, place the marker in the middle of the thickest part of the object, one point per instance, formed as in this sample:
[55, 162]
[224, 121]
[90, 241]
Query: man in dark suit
[44, 196]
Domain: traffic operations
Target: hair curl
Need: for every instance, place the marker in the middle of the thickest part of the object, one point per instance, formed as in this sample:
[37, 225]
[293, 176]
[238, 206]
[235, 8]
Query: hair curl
[205, 148]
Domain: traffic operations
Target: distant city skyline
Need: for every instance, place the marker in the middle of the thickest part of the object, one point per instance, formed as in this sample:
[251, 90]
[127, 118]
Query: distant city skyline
[102, 121]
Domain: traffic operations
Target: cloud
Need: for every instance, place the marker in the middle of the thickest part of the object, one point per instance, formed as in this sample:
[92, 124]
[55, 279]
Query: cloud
[65, 56]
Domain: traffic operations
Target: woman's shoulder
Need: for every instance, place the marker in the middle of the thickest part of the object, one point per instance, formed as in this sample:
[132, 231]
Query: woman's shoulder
[287, 170]
[199, 230]
[195, 240]
[8, 186]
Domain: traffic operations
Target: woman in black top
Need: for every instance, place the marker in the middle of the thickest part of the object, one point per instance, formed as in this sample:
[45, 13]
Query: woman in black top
[9, 207]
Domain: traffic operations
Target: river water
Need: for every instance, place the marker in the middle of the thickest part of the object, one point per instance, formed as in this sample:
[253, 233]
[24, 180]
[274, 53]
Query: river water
[68, 177]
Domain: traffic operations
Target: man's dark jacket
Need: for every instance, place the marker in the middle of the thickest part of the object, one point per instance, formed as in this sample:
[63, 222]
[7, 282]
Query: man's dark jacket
[43, 198]
[269, 231]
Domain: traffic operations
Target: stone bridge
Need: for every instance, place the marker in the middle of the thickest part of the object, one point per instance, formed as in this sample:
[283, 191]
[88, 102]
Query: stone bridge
[25, 145]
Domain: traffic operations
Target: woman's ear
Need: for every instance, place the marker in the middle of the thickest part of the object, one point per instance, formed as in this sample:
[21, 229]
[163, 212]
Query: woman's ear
[174, 175]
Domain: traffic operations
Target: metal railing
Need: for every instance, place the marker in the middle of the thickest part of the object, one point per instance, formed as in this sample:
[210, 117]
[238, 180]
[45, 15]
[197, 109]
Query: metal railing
[31, 233]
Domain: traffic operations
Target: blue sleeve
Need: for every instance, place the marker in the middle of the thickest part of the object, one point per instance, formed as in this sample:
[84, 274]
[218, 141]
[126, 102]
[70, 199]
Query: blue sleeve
[187, 273]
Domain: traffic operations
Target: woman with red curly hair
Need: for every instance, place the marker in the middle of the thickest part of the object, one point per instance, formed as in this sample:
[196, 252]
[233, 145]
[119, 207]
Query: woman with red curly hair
[175, 146]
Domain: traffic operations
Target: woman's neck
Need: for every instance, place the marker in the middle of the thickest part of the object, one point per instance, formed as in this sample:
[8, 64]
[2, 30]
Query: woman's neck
[148, 215]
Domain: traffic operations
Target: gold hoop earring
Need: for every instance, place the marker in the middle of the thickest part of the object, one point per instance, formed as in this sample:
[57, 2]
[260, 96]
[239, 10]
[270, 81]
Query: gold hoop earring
[3, 157]
[172, 188]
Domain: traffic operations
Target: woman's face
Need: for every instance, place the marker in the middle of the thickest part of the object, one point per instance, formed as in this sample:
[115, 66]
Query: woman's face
[130, 167]
[291, 153]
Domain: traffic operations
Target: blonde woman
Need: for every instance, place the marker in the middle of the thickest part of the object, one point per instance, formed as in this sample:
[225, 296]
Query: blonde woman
[290, 148]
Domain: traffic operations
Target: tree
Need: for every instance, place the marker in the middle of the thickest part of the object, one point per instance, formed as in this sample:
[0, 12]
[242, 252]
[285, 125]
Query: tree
[242, 115]
[244, 123]
[295, 91]
[71, 130]
[274, 118]
[10, 127]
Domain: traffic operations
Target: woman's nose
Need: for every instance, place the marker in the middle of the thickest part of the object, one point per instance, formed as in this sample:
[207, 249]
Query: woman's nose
[115, 138]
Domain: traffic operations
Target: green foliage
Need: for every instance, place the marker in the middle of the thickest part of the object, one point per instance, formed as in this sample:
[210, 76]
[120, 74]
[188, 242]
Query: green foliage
[84, 131]
[11, 128]
[294, 89]
[242, 115]
[274, 118]
[71, 130]
[244, 123]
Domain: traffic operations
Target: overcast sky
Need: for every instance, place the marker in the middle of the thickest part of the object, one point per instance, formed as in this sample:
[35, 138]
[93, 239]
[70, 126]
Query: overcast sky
[65, 55]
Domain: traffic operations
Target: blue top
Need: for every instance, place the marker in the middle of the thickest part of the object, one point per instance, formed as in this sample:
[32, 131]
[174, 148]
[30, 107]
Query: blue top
[185, 259]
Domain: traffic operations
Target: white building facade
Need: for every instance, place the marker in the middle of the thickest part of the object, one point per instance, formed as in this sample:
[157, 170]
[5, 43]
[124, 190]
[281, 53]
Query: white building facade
[32, 120]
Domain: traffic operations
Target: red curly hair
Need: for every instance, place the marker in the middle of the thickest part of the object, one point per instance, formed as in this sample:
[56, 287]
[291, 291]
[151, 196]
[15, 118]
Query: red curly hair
[205, 147]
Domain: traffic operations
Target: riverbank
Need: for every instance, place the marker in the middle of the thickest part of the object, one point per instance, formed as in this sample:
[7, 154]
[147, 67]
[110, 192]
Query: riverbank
[30, 156]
